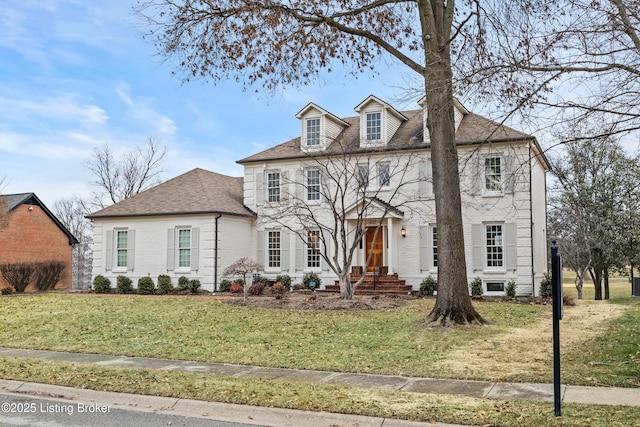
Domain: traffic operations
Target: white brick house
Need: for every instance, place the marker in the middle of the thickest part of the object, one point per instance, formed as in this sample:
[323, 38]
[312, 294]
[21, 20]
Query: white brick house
[387, 153]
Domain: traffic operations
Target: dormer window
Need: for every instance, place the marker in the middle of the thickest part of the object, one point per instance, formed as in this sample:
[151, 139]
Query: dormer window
[313, 131]
[374, 126]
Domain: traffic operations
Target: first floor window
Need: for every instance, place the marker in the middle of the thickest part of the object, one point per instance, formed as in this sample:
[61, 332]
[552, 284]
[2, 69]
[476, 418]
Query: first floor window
[273, 247]
[313, 249]
[494, 245]
[273, 186]
[313, 184]
[122, 237]
[184, 247]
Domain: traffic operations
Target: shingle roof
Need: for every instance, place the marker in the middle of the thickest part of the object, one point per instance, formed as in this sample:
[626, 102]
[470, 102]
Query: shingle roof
[197, 191]
[473, 129]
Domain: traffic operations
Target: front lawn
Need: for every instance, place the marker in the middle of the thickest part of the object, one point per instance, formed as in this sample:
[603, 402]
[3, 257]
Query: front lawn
[600, 346]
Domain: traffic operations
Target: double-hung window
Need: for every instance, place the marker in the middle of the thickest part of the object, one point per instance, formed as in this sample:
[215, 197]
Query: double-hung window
[273, 249]
[313, 185]
[374, 126]
[273, 186]
[363, 176]
[313, 132]
[384, 175]
[493, 174]
[313, 249]
[184, 248]
[494, 245]
[122, 244]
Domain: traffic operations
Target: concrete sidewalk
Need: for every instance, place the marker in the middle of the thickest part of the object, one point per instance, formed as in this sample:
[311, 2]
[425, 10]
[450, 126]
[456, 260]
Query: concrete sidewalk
[483, 389]
[284, 417]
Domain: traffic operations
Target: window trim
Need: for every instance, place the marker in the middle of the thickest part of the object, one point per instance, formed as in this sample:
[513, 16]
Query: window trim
[316, 192]
[503, 284]
[277, 189]
[373, 125]
[273, 251]
[316, 136]
[116, 250]
[496, 255]
[310, 255]
[499, 184]
[387, 174]
[179, 249]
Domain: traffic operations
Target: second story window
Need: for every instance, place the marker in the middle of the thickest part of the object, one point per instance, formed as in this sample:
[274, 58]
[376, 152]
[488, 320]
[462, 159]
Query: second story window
[374, 126]
[313, 184]
[313, 132]
[492, 174]
[363, 176]
[384, 175]
[273, 186]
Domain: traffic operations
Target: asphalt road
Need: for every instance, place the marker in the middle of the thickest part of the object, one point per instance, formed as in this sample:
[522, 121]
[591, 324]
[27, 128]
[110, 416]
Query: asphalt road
[41, 412]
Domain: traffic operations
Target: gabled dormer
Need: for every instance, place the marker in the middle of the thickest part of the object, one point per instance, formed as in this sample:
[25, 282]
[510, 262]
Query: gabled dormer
[379, 121]
[459, 111]
[319, 127]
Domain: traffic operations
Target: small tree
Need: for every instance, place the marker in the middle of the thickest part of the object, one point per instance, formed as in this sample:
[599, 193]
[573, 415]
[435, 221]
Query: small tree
[242, 267]
[47, 274]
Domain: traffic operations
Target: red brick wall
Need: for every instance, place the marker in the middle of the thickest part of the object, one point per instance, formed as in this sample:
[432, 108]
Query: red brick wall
[31, 236]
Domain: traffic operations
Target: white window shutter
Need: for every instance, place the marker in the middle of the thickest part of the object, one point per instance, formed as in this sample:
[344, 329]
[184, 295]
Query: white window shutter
[424, 248]
[477, 175]
[478, 247]
[509, 177]
[260, 248]
[131, 244]
[511, 258]
[300, 254]
[259, 187]
[171, 250]
[108, 251]
[284, 250]
[195, 248]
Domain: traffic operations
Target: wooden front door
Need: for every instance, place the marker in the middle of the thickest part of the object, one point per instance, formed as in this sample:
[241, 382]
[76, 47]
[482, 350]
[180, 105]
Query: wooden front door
[375, 245]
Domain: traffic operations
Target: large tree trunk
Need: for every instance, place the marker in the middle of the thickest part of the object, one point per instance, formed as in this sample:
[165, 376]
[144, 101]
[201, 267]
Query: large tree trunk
[596, 276]
[347, 289]
[606, 283]
[453, 304]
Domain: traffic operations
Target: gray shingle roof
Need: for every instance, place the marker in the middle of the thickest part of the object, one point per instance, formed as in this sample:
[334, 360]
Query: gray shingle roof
[197, 191]
[473, 129]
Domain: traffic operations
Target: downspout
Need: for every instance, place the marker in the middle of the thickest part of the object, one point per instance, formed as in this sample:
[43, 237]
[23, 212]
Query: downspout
[533, 270]
[215, 257]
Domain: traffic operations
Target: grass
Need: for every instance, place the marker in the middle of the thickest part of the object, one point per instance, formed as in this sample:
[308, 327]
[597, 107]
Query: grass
[600, 346]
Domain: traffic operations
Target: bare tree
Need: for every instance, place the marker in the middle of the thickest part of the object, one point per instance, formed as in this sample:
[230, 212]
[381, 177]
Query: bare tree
[291, 42]
[593, 204]
[567, 61]
[242, 267]
[136, 171]
[72, 213]
[350, 203]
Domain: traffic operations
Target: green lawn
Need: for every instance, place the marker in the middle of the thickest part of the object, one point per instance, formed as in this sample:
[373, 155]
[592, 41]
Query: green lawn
[601, 346]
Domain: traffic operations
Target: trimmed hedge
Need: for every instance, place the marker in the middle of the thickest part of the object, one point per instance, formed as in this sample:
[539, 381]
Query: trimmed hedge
[101, 285]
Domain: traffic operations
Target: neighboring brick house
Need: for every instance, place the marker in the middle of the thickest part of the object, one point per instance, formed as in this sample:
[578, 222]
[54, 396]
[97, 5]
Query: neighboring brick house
[388, 152]
[32, 233]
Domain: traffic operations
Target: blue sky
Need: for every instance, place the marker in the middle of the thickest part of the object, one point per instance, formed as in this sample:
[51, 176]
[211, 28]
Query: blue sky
[75, 74]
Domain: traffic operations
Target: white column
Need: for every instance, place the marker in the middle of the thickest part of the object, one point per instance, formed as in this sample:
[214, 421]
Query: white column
[391, 244]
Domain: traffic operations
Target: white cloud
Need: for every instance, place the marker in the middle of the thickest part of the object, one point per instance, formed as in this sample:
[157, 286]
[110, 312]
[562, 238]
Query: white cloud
[142, 111]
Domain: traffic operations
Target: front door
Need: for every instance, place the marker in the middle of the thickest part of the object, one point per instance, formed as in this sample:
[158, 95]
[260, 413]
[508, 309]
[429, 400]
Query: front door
[375, 247]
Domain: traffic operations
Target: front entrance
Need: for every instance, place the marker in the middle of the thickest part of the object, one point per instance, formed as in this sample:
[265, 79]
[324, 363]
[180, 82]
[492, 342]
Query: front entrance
[375, 246]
